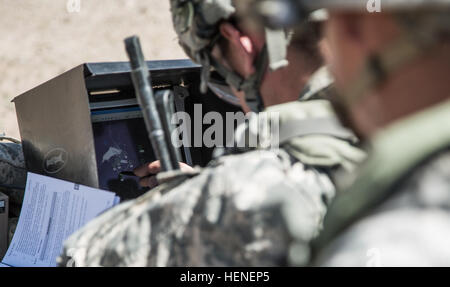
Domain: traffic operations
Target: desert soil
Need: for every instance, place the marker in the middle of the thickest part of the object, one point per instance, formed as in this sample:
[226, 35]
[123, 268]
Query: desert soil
[41, 39]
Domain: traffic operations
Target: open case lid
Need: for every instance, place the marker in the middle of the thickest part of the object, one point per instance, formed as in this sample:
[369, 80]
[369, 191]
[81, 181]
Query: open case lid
[56, 130]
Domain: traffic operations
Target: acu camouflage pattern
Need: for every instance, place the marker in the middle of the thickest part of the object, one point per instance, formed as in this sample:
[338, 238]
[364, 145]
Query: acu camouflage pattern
[258, 208]
[12, 179]
[411, 228]
[254, 209]
[12, 173]
[308, 131]
[12, 164]
[397, 210]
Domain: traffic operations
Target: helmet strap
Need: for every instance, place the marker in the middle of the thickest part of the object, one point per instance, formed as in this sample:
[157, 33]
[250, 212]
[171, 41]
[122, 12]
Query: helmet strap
[277, 43]
[273, 55]
[250, 86]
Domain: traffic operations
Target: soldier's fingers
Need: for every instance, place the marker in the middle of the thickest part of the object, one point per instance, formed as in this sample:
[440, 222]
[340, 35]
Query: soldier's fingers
[185, 167]
[154, 167]
[147, 169]
[149, 182]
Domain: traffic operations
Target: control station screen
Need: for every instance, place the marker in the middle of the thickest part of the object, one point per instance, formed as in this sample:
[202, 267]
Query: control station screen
[121, 145]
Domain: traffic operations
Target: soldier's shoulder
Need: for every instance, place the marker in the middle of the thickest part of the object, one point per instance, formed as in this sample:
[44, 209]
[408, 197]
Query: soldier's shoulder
[397, 237]
[401, 231]
[12, 164]
[319, 85]
[430, 180]
[227, 215]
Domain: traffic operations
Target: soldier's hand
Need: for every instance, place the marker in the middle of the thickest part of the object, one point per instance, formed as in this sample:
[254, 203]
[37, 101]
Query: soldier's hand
[148, 172]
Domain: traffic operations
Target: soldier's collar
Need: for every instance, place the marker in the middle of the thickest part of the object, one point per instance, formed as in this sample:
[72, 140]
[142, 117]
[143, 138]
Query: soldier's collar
[395, 152]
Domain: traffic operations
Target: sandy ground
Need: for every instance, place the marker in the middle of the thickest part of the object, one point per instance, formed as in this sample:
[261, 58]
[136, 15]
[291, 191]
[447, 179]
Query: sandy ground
[41, 39]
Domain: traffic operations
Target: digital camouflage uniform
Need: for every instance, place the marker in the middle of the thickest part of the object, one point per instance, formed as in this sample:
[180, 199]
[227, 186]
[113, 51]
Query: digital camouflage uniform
[397, 212]
[12, 164]
[258, 208]
[12, 177]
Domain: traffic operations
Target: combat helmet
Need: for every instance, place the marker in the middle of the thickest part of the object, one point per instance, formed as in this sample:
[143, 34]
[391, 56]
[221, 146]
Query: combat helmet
[424, 23]
[196, 23]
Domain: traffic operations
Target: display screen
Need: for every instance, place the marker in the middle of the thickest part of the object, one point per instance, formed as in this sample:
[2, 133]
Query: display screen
[121, 145]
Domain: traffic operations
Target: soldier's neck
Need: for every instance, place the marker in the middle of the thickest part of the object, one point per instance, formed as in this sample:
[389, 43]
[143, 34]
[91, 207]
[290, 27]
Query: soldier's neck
[417, 86]
[285, 85]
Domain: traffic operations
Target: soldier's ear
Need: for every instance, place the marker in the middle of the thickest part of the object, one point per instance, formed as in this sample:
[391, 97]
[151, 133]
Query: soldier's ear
[240, 52]
[229, 32]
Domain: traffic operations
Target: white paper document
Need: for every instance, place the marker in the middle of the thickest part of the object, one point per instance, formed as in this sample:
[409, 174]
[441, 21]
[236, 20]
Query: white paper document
[52, 210]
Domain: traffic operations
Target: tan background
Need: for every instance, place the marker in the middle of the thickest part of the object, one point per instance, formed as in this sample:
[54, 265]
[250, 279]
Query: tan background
[41, 39]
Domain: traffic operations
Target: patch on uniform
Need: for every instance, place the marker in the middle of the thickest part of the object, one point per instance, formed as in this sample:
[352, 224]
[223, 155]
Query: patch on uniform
[2, 206]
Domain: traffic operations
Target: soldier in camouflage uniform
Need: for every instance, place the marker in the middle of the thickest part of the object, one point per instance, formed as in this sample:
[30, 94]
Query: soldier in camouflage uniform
[260, 207]
[12, 164]
[392, 72]
[12, 177]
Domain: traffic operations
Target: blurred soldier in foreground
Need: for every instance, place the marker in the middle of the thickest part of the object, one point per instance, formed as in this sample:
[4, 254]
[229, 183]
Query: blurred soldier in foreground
[258, 208]
[392, 70]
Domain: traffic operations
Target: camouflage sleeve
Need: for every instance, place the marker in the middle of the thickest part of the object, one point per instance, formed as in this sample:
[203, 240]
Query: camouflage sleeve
[253, 209]
[400, 238]
[12, 164]
[13, 174]
[411, 228]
